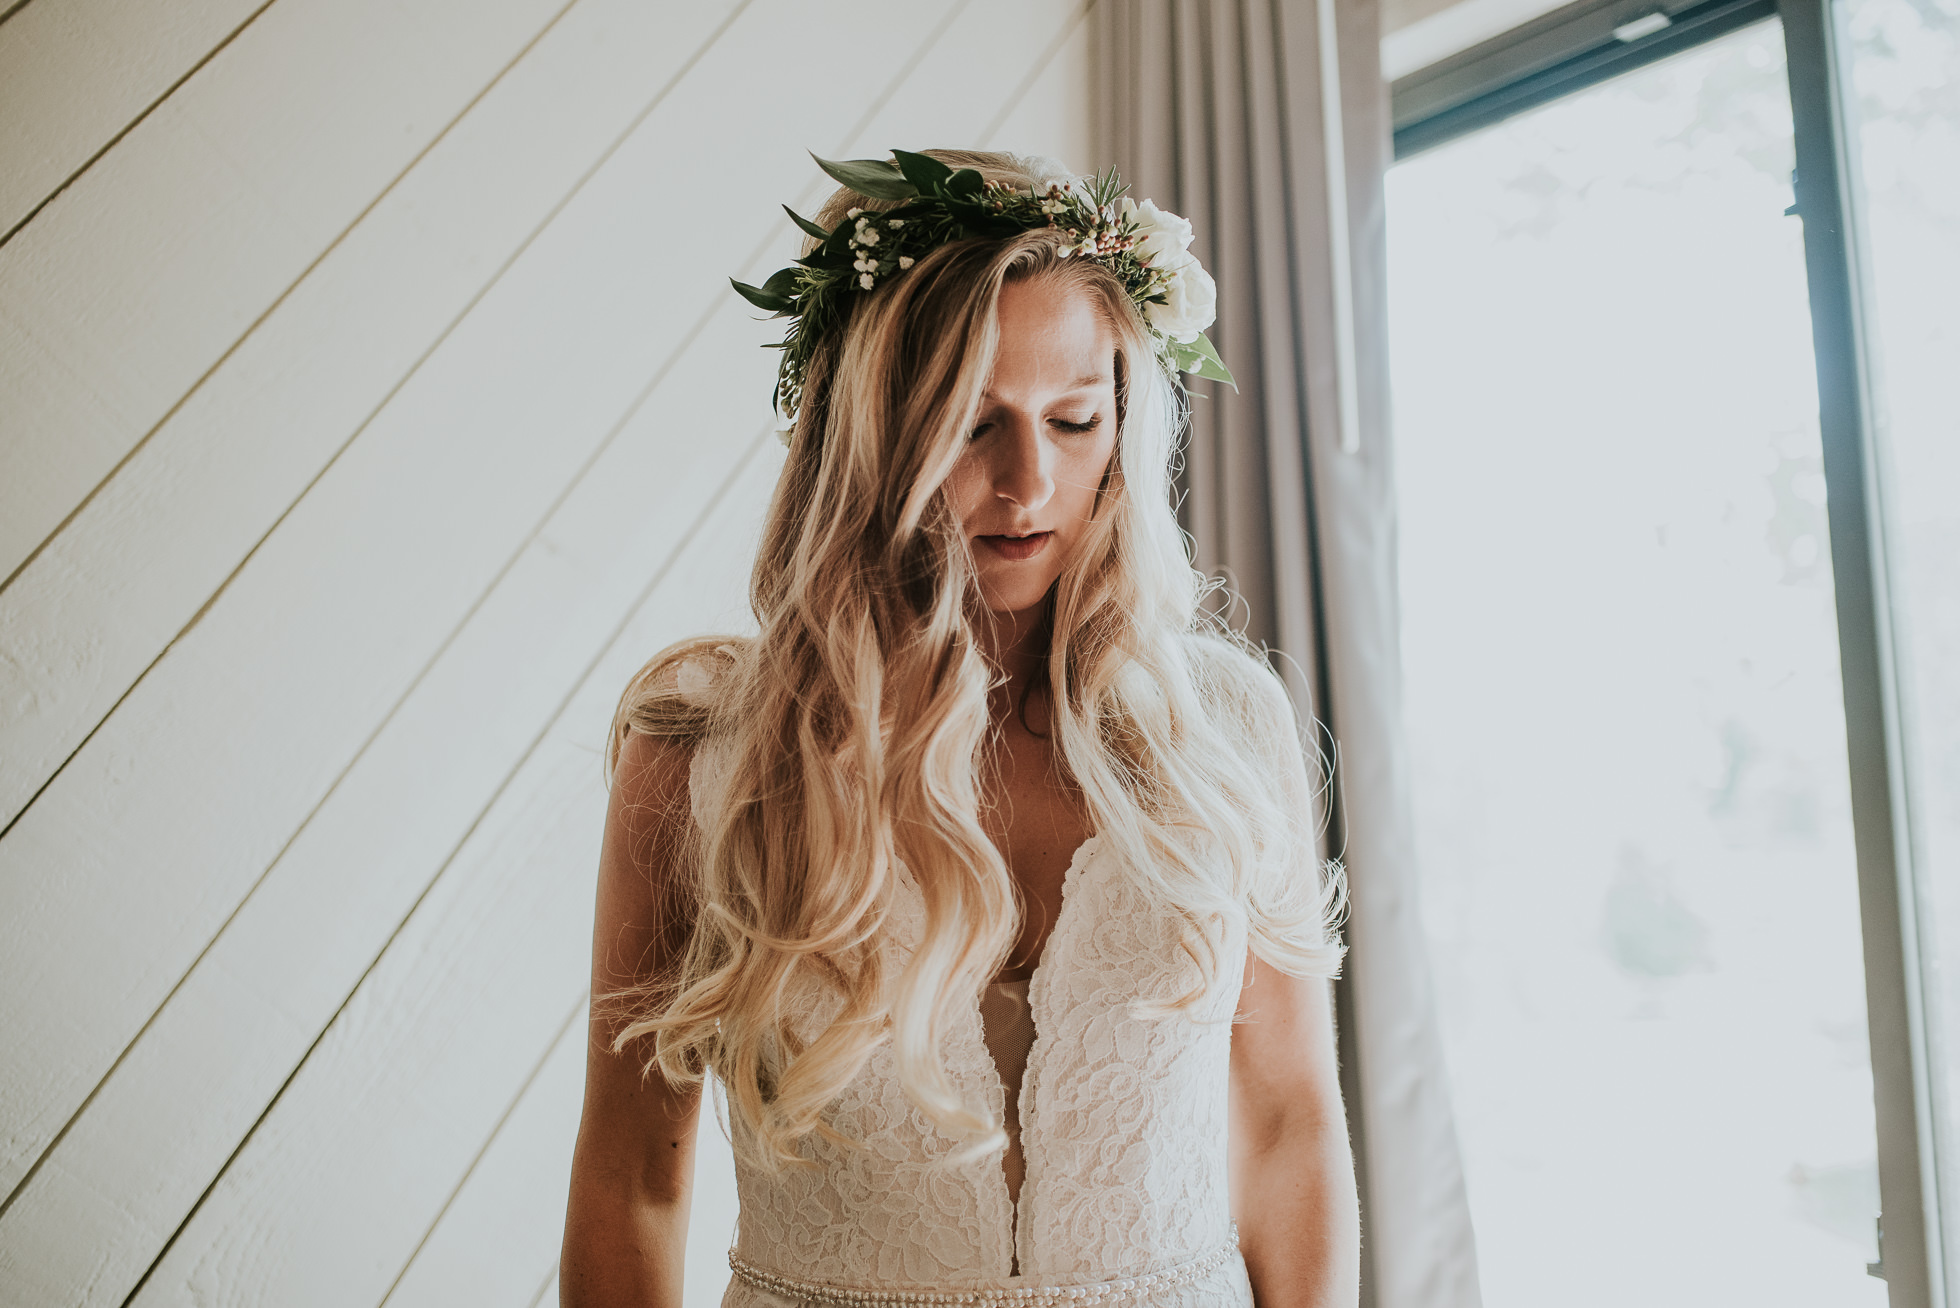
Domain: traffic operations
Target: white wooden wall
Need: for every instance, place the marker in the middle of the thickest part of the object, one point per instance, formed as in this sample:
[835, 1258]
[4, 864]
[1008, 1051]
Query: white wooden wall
[372, 403]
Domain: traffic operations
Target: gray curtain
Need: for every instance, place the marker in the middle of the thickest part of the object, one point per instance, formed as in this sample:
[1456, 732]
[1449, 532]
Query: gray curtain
[1266, 123]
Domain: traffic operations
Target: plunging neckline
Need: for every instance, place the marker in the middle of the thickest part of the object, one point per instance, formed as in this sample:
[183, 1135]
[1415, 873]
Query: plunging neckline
[1038, 988]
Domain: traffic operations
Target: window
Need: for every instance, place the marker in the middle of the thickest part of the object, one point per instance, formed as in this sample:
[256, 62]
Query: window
[1641, 849]
[1905, 86]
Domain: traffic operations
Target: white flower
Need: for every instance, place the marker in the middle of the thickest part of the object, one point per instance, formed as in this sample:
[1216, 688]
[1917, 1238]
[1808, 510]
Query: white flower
[1163, 238]
[695, 681]
[852, 213]
[906, 261]
[1190, 303]
[895, 223]
[864, 280]
[869, 236]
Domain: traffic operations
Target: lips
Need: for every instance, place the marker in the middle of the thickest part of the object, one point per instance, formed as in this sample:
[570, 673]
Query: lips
[1017, 549]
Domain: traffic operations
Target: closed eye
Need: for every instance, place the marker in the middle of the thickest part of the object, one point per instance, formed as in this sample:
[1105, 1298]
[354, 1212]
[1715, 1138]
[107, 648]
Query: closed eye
[1094, 421]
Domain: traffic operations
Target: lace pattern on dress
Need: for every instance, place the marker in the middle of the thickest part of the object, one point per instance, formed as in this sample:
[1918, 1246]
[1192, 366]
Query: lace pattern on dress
[1123, 1127]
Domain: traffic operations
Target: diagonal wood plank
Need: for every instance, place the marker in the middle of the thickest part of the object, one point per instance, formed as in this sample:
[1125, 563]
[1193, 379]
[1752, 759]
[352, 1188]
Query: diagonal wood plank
[137, 563]
[495, 1251]
[519, 891]
[144, 272]
[258, 660]
[89, 1221]
[1053, 111]
[77, 74]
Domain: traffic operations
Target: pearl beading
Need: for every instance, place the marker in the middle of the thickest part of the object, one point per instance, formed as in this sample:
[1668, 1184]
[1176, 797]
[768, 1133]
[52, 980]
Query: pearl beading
[1128, 1290]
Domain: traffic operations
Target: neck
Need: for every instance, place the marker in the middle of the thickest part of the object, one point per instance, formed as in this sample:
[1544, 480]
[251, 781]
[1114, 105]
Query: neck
[1015, 643]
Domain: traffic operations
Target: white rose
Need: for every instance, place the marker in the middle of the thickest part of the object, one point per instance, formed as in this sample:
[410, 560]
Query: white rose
[695, 683]
[1190, 303]
[1162, 237]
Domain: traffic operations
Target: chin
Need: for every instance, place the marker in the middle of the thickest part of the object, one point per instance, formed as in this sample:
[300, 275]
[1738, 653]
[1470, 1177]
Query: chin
[1015, 597]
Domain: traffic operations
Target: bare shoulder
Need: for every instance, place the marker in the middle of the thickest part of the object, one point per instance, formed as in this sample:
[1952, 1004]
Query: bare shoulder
[674, 697]
[644, 910]
[650, 779]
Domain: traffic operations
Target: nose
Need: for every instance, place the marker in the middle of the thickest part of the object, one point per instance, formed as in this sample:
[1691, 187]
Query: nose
[1023, 465]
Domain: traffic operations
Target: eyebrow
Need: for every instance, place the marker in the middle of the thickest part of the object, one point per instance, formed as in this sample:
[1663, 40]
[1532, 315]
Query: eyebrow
[1079, 384]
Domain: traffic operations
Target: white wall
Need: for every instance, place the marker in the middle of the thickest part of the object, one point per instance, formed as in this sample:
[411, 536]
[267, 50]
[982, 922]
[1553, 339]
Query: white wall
[1418, 33]
[372, 403]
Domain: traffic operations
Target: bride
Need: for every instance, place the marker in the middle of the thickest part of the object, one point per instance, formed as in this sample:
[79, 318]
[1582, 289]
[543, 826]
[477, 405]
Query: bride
[983, 877]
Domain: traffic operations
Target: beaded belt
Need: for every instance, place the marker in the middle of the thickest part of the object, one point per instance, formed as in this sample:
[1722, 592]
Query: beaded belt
[1129, 1289]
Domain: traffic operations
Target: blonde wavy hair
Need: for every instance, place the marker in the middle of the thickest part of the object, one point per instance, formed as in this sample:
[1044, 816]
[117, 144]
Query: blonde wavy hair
[856, 723]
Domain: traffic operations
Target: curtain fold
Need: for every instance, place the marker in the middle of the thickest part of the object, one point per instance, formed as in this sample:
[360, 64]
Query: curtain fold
[1266, 123]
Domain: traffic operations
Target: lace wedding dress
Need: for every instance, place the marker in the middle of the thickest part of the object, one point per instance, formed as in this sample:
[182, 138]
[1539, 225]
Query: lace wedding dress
[1122, 1133]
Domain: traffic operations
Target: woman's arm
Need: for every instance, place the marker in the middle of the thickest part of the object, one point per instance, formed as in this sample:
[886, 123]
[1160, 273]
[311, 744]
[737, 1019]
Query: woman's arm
[1292, 1174]
[633, 1169]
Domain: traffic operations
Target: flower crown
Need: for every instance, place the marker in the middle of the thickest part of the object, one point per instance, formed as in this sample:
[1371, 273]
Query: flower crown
[1145, 247]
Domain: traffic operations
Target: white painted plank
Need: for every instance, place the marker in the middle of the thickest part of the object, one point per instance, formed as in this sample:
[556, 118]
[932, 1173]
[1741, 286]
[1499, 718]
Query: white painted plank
[503, 1229]
[498, 1238]
[138, 277]
[91, 1219]
[83, 620]
[420, 1065]
[73, 73]
[1055, 114]
[246, 686]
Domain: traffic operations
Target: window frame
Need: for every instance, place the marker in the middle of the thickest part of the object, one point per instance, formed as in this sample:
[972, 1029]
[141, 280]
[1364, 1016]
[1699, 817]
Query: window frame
[1574, 48]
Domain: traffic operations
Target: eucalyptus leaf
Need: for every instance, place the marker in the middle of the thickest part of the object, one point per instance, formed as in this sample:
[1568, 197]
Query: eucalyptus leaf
[922, 170]
[965, 182]
[1204, 360]
[760, 298]
[872, 177]
[809, 228]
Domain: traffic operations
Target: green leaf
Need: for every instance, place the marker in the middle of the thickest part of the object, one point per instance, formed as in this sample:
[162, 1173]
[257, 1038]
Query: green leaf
[1200, 357]
[965, 182]
[922, 170]
[809, 228]
[872, 177]
[760, 298]
[783, 283]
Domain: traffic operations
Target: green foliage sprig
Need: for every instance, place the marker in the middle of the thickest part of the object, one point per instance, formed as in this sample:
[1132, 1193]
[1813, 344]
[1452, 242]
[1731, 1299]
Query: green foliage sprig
[936, 206]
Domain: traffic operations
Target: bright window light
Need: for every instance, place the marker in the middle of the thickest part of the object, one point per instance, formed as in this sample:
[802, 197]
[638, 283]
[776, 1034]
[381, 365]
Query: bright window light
[1905, 86]
[1622, 698]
